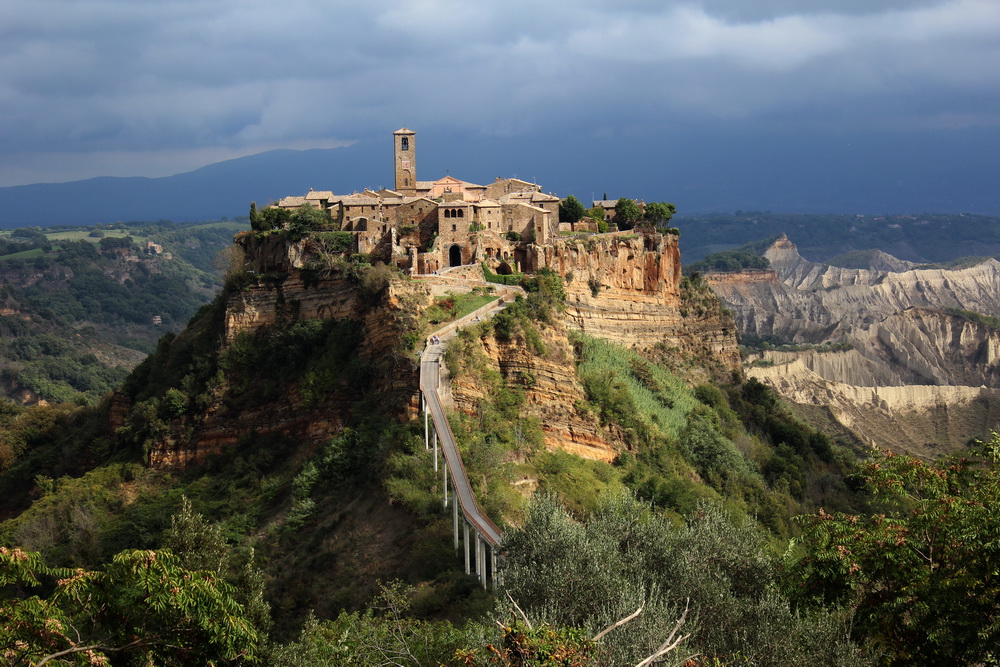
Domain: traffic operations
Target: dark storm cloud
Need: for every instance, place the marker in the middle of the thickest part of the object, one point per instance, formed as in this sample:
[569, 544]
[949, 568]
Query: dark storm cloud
[155, 87]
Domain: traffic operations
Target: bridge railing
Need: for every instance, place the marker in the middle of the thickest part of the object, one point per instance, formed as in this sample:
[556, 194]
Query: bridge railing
[482, 553]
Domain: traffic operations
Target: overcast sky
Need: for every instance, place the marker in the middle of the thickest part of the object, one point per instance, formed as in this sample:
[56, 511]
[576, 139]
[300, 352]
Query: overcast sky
[155, 87]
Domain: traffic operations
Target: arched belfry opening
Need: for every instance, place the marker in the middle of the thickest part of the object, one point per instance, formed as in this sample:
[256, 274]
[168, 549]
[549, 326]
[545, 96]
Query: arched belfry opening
[455, 255]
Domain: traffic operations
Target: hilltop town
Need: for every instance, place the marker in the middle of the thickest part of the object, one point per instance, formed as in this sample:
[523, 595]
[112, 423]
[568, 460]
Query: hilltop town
[423, 227]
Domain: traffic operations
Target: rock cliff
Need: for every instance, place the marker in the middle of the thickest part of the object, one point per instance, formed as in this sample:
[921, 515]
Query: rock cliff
[924, 362]
[627, 288]
[551, 390]
[385, 315]
[624, 287]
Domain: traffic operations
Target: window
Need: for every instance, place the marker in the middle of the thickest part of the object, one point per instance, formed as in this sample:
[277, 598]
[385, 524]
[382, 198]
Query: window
[404, 144]
[454, 228]
[461, 213]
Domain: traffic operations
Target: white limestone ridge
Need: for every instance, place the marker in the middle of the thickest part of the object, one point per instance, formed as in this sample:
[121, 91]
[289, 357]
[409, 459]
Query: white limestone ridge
[906, 346]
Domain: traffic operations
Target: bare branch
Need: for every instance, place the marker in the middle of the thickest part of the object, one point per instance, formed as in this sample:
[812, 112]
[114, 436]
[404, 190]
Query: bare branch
[93, 647]
[520, 611]
[618, 624]
[670, 644]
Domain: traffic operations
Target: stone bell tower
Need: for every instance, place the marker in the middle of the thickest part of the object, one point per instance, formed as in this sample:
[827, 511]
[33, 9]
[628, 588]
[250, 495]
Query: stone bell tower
[405, 160]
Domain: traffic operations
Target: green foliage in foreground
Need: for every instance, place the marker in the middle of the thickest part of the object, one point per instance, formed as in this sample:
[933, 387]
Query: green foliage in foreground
[920, 571]
[140, 608]
[625, 556]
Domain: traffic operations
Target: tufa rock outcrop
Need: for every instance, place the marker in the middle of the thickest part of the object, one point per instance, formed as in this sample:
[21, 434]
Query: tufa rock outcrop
[625, 287]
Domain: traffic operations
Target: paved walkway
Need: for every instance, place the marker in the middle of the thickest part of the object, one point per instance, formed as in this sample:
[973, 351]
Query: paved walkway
[430, 378]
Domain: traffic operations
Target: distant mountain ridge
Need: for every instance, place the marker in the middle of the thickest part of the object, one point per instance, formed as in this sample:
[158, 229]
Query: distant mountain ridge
[805, 177]
[223, 189]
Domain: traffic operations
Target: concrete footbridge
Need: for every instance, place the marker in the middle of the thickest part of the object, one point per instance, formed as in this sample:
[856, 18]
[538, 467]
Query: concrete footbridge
[480, 537]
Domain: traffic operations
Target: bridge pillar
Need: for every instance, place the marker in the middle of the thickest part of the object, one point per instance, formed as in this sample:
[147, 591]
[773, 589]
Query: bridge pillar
[493, 566]
[427, 436]
[454, 513]
[465, 544]
[445, 466]
[435, 451]
[478, 548]
[481, 559]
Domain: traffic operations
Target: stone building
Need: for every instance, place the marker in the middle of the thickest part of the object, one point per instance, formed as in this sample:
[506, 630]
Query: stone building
[427, 226]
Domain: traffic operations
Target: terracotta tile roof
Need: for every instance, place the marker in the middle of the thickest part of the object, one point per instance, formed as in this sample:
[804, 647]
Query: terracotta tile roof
[291, 202]
[319, 194]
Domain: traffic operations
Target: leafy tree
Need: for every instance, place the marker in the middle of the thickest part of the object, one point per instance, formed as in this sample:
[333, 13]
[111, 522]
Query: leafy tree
[922, 570]
[658, 214]
[33, 234]
[570, 209]
[112, 242]
[305, 219]
[627, 212]
[272, 217]
[384, 634]
[142, 607]
[254, 217]
[588, 575]
[201, 546]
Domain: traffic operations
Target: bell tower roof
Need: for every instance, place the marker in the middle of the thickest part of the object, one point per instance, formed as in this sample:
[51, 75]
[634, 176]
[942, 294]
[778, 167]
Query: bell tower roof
[403, 130]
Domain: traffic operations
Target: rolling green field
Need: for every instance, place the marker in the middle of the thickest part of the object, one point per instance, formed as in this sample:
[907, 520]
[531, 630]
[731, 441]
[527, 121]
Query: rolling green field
[84, 235]
[24, 254]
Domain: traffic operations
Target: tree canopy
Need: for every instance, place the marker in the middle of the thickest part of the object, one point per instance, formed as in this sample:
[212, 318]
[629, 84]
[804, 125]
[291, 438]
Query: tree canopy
[920, 570]
[142, 605]
[571, 209]
[627, 212]
[658, 214]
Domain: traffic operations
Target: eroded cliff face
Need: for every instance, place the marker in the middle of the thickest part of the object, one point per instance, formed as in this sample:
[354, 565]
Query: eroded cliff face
[552, 393]
[935, 374]
[384, 317]
[807, 302]
[623, 287]
[626, 288]
[928, 420]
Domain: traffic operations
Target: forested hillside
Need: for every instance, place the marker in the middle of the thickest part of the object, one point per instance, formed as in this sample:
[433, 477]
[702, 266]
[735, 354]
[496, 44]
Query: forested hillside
[921, 238]
[80, 307]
